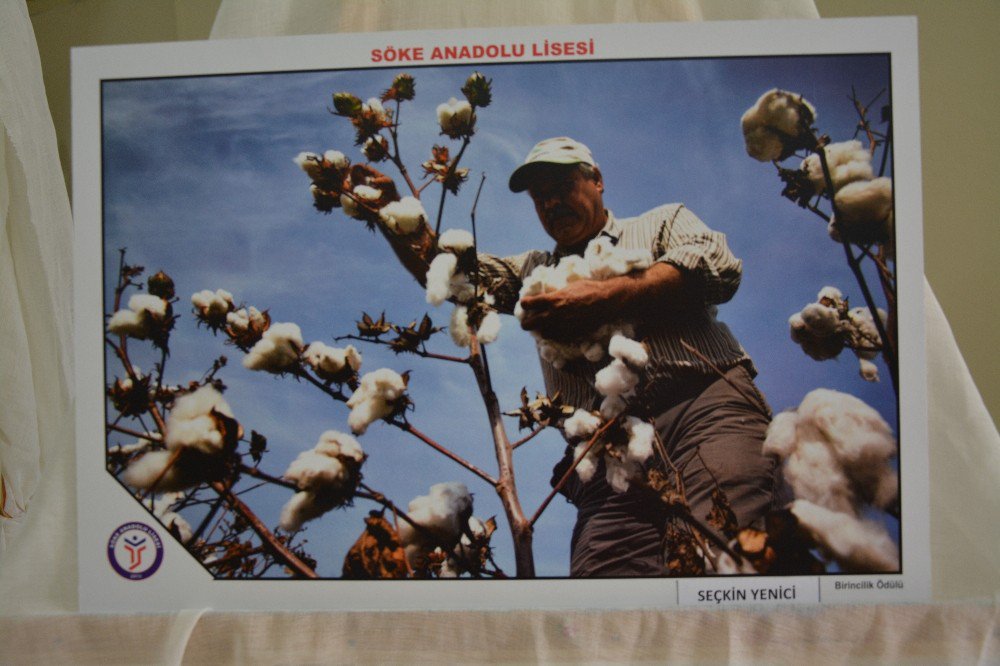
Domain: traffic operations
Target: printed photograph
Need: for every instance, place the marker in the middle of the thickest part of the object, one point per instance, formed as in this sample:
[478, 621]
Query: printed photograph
[576, 319]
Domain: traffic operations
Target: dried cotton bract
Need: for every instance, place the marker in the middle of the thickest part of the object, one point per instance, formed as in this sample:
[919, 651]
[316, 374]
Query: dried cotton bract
[404, 216]
[777, 125]
[326, 475]
[380, 394]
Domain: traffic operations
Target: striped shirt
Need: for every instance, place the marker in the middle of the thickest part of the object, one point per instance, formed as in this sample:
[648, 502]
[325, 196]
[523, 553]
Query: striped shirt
[676, 236]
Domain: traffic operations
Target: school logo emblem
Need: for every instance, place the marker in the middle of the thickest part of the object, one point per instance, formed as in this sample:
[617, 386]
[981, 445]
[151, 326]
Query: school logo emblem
[135, 551]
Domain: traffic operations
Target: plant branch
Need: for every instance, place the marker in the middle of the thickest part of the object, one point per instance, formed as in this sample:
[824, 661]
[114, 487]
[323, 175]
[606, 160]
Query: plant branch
[565, 477]
[406, 426]
[280, 551]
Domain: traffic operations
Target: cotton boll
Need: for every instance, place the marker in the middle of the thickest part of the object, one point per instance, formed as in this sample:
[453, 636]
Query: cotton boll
[377, 397]
[868, 370]
[781, 436]
[857, 546]
[864, 211]
[455, 118]
[439, 275]
[774, 127]
[615, 379]
[367, 193]
[455, 240]
[301, 508]
[278, 349]
[337, 159]
[212, 306]
[404, 216]
[459, 326]
[631, 352]
[815, 474]
[173, 521]
[199, 402]
[612, 406]
[847, 161]
[489, 327]
[310, 163]
[830, 293]
[588, 466]
[442, 512]
[620, 473]
[836, 451]
[154, 305]
[351, 208]
[640, 440]
[581, 425]
[335, 443]
[241, 320]
[332, 363]
[313, 470]
[856, 431]
[144, 471]
[820, 319]
[126, 322]
[363, 414]
[191, 422]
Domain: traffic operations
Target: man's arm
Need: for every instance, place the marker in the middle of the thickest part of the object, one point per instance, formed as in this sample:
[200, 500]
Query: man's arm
[656, 293]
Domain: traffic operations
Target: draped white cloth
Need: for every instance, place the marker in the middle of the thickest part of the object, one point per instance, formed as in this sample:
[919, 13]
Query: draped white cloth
[37, 543]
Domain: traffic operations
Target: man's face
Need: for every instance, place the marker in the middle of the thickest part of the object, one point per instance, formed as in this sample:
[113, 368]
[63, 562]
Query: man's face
[569, 204]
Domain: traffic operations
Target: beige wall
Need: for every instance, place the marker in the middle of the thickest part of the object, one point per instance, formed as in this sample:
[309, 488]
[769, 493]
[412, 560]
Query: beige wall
[960, 137]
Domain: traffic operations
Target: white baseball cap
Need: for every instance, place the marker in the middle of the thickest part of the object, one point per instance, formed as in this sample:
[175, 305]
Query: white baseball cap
[557, 150]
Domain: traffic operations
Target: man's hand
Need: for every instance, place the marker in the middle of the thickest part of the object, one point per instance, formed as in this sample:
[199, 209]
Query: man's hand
[571, 312]
[645, 297]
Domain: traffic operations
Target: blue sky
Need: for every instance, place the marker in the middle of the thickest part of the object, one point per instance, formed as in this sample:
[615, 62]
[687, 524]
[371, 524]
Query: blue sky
[199, 182]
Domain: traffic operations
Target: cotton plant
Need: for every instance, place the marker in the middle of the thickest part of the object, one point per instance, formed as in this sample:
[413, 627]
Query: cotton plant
[380, 395]
[146, 317]
[200, 432]
[333, 364]
[827, 326]
[837, 457]
[628, 447]
[777, 125]
[326, 477]
[446, 537]
[448, 278]
[278, 350]
[601, 260]
[859, 198]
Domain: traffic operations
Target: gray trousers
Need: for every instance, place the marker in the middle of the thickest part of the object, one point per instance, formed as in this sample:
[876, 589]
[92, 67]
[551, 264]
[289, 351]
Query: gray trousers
[621, 534]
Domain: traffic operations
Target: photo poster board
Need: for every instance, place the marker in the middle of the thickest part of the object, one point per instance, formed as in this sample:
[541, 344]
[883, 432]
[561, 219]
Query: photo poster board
[183, 162]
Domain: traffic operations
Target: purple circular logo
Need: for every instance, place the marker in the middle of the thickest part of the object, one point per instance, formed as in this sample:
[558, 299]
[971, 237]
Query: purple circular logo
[135, 551]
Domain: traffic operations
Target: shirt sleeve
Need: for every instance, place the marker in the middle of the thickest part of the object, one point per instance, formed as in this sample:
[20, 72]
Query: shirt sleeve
[687, 242]
[502, 277]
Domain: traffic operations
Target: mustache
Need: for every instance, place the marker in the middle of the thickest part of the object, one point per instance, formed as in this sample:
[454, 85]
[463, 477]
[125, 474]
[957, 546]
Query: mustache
[557, 212]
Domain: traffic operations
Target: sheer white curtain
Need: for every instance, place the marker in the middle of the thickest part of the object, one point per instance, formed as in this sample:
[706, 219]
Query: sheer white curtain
[38, 528]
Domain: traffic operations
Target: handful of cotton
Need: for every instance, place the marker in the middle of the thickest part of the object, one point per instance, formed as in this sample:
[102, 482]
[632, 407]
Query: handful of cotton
[601, 260]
